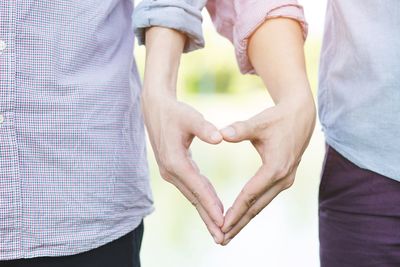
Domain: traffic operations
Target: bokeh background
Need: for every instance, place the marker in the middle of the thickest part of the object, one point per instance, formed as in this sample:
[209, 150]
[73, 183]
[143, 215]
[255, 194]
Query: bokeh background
[286, 232]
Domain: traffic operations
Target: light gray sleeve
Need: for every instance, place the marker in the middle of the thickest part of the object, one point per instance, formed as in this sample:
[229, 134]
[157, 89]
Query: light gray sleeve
[182, 15]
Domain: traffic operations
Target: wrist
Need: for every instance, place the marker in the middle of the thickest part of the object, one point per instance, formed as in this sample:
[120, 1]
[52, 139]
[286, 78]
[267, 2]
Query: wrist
[154, 89]
[290, 87]
[157, 95]
[298, 101]
[163, 51]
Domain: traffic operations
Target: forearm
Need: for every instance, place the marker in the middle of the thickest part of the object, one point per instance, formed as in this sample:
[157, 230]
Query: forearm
[163, 52]
[276, 52]
[172, 125]
[281, 133]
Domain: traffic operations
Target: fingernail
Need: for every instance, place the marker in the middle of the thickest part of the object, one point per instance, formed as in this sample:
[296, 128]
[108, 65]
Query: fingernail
[229, 131]
[216, 136]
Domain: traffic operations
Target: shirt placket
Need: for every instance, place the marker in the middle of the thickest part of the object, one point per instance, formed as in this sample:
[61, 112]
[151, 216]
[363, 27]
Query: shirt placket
[10, 195]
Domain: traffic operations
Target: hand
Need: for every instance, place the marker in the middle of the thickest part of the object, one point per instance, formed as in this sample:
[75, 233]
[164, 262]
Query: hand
[280, 135]
[171, 126]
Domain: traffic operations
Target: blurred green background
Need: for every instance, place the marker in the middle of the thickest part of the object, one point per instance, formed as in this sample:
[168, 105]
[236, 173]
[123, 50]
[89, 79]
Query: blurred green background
[285, 233]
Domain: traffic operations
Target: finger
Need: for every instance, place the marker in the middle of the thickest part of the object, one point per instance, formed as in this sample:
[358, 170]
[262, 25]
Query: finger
[202, 189]
[205, 193]
[258, 206]
[248, 129]
[250, 193]
[204, 130]
[213, 229]
[238, 131]
[194, 164]
[221, 206]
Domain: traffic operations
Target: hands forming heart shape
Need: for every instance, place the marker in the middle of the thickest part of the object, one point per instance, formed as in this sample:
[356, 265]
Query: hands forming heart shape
[280, 135]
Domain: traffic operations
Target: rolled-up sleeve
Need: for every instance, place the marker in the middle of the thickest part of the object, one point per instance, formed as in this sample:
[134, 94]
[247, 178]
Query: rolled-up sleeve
[239, 19]
[182, 15]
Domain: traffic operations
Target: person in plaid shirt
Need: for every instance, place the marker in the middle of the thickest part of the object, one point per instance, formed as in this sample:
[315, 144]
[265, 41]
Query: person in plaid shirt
[74, 185]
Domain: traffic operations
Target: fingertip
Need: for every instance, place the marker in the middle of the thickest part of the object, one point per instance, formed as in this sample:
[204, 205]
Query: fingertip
[226, 242]
[216, 137]
[207, 132]
[228, 132]
[219, 221]
[215, 239]
[218, 238]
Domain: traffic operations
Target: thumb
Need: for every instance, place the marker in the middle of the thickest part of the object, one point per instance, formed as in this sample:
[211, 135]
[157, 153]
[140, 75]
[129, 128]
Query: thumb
[206, 131]
[238, 131]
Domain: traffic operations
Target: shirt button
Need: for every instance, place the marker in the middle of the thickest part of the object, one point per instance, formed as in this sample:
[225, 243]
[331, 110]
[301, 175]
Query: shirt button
[1, 118]
[3, 46]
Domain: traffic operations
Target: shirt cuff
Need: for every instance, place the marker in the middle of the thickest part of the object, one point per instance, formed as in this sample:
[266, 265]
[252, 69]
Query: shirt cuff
[251, 19]
[177, 15]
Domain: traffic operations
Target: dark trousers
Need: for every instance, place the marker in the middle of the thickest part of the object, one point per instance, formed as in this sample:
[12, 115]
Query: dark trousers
[123, 252]
[359, 216]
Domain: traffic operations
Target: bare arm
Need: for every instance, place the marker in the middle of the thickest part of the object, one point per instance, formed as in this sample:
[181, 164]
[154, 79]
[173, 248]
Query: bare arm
[172, 125]
[280, 134]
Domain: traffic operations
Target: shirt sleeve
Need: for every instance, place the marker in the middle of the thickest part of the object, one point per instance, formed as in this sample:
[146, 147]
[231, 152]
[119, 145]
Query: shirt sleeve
[237, 20]
[182, 15]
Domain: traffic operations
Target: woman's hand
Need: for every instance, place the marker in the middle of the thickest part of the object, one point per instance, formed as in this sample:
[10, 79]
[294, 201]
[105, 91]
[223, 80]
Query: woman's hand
[280, 135]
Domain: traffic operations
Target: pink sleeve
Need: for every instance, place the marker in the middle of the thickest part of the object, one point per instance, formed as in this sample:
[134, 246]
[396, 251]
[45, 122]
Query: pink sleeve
[238, 19]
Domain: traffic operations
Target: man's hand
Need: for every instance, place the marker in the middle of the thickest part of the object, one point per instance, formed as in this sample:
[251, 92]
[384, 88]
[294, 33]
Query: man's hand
[172, 125]
[280, 134]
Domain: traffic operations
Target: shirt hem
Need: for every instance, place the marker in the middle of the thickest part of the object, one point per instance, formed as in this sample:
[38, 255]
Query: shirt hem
[127, 227]
[363, 164]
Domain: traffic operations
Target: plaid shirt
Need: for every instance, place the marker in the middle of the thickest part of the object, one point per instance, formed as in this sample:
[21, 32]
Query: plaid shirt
[73, 171]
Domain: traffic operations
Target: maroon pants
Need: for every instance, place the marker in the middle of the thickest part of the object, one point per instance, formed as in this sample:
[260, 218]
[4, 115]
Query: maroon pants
[359, 216]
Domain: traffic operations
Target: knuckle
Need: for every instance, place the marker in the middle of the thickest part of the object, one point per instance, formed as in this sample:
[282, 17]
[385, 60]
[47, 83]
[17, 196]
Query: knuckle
[170, 165]
[260, 126]
[194, 201]
[250, 199]
[196, 195]
[281, 171]
[203, 187]
[288, 183]
[253, 213]
[166, 175]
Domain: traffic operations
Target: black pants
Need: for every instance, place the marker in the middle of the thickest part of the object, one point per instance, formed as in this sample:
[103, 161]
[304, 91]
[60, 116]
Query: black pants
[123, 252]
